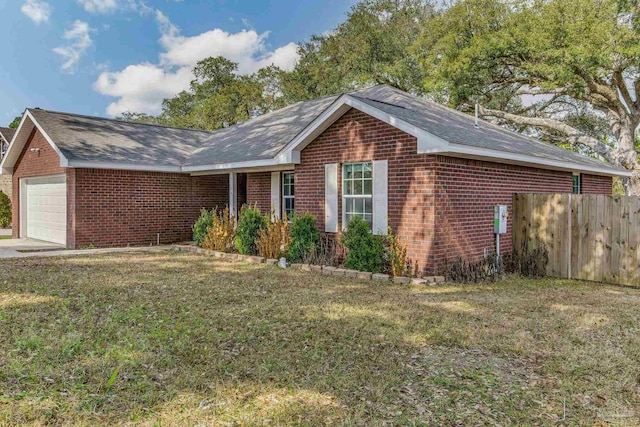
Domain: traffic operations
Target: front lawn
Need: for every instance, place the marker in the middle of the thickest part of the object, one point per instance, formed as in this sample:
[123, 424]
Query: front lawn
[183, 339]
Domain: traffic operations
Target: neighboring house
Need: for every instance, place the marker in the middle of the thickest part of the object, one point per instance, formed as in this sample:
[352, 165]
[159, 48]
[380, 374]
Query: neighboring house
[394, 159]
[5, 138]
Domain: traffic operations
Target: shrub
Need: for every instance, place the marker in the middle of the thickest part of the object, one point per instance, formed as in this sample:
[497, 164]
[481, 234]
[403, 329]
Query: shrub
[398, 263]
[204, 221]
[304, 237]
[527, 263]
[5, 210]
[461, 271]
[365, 251]
[221, 234]
[328, 251]
[274, 240]
[248, 230]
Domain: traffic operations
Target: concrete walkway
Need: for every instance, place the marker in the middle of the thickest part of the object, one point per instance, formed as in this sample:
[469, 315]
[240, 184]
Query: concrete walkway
[13, 248]
[5, 232]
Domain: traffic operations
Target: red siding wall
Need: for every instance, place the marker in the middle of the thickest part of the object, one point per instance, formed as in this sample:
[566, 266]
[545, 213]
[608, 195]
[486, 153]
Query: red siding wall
[259, 190]
[33, 163]
[359, 137]
[120, 208]
[596, 184]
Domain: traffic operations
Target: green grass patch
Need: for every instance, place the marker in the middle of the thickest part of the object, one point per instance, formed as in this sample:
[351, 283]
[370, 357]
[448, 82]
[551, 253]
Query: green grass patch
[181, 339]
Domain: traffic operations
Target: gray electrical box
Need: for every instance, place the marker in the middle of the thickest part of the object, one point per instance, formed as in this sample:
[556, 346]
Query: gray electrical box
[500, 219]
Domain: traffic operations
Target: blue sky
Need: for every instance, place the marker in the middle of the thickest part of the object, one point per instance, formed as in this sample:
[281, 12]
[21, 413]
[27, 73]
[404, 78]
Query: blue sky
[102, 57]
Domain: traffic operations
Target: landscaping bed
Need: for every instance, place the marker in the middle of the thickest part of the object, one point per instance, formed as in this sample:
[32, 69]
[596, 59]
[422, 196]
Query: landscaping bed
[179, 338]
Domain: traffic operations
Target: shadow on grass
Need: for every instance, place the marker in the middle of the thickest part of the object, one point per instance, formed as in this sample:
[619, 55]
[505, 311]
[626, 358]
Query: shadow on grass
[185, 339]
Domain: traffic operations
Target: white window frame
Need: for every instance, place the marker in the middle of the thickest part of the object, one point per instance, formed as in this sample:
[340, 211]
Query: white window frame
[291, 197]
[579, 175]
[355, 196]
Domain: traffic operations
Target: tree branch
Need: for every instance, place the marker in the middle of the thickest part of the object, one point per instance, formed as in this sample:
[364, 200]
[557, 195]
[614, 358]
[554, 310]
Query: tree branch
[618, 80]
[542, 91]
[574, 136]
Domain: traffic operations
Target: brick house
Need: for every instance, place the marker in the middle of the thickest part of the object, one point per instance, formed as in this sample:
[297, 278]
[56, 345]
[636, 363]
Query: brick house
[429, 172]
[5, 138]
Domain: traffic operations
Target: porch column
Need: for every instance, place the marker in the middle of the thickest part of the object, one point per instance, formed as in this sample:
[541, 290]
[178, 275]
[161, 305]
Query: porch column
[233, 193]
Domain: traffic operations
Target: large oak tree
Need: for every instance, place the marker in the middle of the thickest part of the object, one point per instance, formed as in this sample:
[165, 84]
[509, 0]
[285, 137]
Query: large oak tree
[562, 70]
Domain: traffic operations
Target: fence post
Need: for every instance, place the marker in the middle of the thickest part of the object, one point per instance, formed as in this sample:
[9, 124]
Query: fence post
[569, 246]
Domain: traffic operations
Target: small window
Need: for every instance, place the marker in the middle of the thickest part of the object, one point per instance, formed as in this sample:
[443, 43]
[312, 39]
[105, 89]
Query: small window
[288, 194]
[577, 184]
[357, 190]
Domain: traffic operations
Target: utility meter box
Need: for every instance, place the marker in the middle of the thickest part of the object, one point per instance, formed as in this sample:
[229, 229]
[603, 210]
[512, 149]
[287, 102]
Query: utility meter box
[500, 219]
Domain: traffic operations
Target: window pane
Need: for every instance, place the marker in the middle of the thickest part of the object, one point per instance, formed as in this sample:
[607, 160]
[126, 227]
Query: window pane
[357, 187]
[348, 172]
[368, 187]
[368, 167]
[357, 170]
[368, 207]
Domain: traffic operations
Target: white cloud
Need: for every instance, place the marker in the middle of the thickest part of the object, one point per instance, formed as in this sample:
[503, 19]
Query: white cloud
[108, 6]
[142, 87]
[79, 42]
[37, 11]
[98, 6]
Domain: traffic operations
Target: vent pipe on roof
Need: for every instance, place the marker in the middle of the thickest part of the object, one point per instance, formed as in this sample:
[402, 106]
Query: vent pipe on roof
[476, 118]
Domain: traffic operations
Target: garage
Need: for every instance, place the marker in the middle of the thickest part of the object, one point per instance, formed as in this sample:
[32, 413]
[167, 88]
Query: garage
[44, 208]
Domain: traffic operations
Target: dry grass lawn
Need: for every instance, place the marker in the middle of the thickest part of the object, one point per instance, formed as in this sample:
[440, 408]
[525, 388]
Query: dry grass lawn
[182, 339]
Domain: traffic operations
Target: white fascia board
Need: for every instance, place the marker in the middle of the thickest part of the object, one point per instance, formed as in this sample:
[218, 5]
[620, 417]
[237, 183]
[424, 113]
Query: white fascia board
[122, 166]
[19, 140]
[427, 142]
[272, 168]
[459, 150]
[231, 166]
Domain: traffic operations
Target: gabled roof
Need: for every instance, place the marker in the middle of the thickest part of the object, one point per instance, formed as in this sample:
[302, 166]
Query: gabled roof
[7, 134]
[276, 139]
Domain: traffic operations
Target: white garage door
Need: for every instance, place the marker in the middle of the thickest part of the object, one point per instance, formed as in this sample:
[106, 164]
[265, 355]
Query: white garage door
[45, 208]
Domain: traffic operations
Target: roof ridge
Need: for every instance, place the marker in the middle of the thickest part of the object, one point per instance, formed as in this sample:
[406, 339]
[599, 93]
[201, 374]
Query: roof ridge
[122, 121]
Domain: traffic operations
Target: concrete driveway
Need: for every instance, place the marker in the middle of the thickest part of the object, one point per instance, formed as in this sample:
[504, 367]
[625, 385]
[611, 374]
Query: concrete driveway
[9, 247]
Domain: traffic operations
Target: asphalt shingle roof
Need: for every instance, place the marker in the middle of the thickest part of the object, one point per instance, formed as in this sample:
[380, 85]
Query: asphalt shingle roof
[7, 133]
[114, 141]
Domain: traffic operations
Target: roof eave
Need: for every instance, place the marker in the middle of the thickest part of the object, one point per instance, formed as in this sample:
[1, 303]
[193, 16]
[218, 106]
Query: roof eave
[460, 150]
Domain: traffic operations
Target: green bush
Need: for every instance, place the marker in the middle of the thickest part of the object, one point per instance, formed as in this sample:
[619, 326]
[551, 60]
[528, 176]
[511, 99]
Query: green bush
[365, 252]
[204, 221]
[5, 210]
[248, 231]
[304, 237]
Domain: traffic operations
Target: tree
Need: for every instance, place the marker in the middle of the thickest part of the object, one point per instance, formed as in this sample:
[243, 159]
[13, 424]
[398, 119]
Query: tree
[15, 123]
[219, 97]
[563, 70]
[129, 116]
[370, 47]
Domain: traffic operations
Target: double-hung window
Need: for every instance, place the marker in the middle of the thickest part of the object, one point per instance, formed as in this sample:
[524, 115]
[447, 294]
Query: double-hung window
[288, 194]
[357, 191]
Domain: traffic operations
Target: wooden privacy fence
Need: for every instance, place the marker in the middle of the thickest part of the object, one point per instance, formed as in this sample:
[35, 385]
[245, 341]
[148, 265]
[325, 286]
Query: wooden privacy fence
[589, 237]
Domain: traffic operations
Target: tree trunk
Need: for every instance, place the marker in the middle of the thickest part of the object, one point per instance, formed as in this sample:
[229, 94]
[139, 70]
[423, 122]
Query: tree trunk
[626, 156]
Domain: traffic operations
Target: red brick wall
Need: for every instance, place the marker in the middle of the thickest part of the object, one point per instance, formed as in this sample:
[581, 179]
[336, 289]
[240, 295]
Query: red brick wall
[359, 137]
[468, 191]
[32, 163]
[443, 206]
[259, 190]
[596, 184]
[120, 208]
